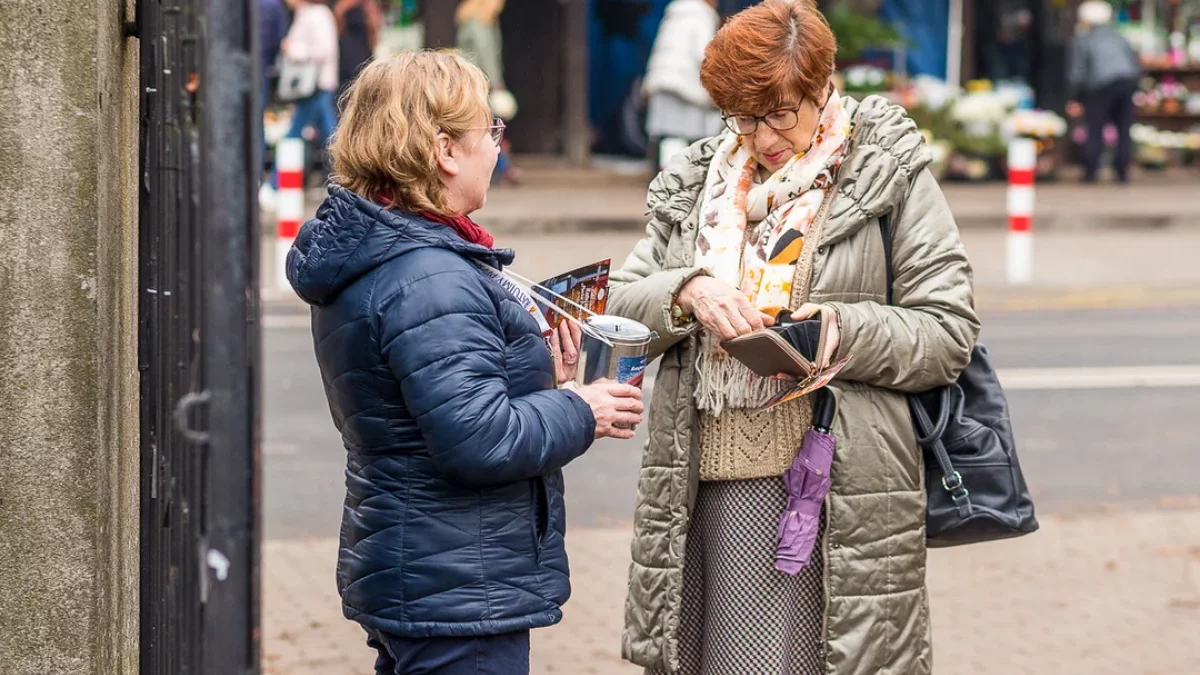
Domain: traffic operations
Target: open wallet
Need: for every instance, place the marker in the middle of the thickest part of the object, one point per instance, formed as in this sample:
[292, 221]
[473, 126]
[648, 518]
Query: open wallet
[788, 348]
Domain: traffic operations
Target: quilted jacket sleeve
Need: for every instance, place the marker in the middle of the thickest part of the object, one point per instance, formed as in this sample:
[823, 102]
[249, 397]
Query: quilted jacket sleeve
[925, 340]
[445, 343]
[644, 289]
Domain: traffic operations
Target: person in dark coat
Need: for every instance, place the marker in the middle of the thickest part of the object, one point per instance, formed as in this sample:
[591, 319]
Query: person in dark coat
[272, 29]
[1104, 73]
[453, 400]
[359, 24]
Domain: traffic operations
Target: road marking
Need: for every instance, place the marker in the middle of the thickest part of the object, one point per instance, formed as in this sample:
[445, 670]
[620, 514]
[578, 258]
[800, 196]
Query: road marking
[1121, 377]
[1117, 377]
[1013, 379]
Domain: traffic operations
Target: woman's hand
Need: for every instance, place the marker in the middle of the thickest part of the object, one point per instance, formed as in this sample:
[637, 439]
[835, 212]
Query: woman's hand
[721, 308]
[832, 338]
[613, 404]
[564, 349]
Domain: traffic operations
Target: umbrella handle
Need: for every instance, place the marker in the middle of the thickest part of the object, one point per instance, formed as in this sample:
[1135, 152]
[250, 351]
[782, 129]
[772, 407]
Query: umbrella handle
[824, 410]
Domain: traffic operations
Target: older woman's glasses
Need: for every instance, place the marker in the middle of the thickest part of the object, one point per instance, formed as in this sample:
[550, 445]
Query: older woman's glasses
[495, 130]
[779, 120]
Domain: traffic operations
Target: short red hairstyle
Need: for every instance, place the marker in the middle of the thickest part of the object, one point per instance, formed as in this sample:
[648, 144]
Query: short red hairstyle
[768, 56]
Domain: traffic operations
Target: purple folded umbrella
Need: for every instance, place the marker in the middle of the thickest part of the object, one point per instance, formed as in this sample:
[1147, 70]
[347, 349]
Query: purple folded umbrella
[807, 483]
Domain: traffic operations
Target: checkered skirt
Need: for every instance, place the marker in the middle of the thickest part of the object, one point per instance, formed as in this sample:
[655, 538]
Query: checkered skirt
[740, 615]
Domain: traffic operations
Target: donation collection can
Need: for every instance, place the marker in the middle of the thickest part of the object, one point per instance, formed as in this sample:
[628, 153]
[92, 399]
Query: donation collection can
[624, 361]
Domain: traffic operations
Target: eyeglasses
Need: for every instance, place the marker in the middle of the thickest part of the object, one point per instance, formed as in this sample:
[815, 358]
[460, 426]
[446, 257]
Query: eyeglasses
[496, 130]
[782, 119]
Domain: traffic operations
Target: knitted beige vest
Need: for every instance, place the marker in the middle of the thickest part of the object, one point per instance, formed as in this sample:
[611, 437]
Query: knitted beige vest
[742, 444]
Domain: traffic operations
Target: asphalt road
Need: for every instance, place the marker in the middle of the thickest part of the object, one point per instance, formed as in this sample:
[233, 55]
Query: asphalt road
[1105, 404]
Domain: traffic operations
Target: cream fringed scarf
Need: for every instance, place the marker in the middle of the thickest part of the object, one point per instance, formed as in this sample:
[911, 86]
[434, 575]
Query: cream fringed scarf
[760, 259]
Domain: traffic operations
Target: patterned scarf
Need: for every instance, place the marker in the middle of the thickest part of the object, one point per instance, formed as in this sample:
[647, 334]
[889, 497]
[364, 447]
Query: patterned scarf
[762, 261]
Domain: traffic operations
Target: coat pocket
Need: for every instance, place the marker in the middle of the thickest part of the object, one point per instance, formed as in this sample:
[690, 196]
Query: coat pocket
[539, 521]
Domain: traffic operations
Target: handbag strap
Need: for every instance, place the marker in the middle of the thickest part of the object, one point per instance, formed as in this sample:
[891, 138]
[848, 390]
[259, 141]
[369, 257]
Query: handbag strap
[929, 434]
[952, 480]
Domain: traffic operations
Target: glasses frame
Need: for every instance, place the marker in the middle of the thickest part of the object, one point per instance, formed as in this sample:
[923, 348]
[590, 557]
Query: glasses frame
[495, 129]
[731, 120]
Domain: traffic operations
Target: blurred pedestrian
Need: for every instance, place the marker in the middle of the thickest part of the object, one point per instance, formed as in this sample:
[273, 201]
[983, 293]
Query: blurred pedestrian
[272, 29]
[456, 416]
[783, 211]
[1013, 47]
[312, 40]
[480, 40]
[359, 25]
[679, 111]
[1104, 74]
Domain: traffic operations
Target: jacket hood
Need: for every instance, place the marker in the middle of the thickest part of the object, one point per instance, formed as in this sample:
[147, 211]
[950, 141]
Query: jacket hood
[887, 151]
[351, 236]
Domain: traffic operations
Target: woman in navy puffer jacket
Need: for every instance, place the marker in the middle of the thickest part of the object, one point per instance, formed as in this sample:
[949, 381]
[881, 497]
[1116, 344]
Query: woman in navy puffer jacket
[441, 382]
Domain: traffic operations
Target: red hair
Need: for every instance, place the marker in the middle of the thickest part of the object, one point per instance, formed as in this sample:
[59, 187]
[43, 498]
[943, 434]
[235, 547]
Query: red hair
[768, 56]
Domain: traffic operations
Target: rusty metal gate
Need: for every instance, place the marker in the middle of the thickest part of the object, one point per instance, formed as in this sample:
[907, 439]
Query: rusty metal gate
[198, 336]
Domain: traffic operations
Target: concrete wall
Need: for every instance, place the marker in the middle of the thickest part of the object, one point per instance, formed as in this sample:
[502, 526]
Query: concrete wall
[68, 333]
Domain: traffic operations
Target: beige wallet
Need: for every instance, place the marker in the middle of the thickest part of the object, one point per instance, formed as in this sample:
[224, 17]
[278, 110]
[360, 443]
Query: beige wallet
[768, 353]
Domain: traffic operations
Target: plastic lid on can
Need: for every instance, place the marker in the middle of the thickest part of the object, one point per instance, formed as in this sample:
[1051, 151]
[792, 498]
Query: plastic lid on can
[618, 328]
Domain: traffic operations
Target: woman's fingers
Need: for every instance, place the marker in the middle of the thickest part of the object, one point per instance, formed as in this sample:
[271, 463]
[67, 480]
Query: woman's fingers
[576, 336]
[806, 311]
[721, 318]
[619, 434]
[752, 317]
[632, 405]
[561, 373]
[628, 419]
[833, 338]
[568, 338]
[736, 315]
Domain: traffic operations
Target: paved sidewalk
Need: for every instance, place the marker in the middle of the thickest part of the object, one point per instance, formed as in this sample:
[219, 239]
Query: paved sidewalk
[1099, 594]
[1072, 270]
[555, 199]
[555, 203]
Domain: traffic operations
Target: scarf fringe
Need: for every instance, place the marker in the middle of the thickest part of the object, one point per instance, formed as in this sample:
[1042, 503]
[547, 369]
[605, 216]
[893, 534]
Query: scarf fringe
[724, 381]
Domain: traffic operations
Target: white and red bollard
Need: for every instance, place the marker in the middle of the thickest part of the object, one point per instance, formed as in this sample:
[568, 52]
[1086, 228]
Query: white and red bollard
[289, 202]
[1022, 165]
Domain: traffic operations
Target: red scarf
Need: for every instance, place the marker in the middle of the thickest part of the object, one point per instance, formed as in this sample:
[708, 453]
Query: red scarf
[463, 225]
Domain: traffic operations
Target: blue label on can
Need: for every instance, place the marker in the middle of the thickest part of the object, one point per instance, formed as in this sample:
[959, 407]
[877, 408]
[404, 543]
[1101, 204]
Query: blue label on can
[630, 369]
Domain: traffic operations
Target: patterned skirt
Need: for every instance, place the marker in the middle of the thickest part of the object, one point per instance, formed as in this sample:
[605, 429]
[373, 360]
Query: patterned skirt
[740, 615]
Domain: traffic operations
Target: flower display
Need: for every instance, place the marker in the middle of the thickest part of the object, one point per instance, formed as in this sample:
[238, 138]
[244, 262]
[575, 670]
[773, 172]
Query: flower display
[864, 78]
[1035, 124]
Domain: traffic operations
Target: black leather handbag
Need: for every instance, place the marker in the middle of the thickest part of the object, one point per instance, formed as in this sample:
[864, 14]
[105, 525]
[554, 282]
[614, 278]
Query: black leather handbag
[976, 491]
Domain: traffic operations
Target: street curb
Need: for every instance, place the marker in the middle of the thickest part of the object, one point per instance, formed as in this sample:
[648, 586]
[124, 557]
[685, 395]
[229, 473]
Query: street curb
[973, 222]
[1043, 223]
[1018, 299]
[987, 298]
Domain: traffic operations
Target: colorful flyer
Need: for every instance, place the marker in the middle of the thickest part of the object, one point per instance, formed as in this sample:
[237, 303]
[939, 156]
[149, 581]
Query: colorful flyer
[808, 385]
[586, 287]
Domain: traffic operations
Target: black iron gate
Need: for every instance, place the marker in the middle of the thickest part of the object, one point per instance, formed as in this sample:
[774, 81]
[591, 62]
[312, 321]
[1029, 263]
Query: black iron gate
[198, 337]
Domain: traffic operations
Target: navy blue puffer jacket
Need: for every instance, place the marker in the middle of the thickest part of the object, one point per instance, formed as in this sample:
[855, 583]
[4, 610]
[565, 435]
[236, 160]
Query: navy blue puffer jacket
[443, 390]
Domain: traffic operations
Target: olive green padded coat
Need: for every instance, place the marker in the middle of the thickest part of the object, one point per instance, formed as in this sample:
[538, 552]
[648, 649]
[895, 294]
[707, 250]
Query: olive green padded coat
[876, 615]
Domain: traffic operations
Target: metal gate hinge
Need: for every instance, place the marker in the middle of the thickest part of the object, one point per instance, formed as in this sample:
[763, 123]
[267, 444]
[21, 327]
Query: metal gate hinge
[183, 408]
[131, 28]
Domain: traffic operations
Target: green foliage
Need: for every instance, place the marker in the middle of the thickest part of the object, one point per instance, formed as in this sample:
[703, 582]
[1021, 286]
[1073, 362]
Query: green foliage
[857, 32]
[944, 128]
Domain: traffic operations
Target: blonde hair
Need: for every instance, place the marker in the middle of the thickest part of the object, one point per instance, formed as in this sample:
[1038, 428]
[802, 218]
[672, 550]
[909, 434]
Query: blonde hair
[484, 11]
[386, 146]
